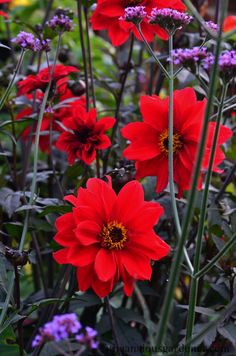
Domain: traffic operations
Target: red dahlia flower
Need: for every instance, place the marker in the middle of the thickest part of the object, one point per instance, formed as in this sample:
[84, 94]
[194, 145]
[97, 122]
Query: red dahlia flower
[108, 13]
[110, 237]
[2, 13]
[149, 139]
[41, 80]
[85, 135]
[229, 23]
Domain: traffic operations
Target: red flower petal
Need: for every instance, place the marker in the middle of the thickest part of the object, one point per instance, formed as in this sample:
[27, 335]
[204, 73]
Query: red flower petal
[105, 265]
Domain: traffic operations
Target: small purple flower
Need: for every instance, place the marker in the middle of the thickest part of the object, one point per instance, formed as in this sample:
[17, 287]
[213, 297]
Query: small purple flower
[134, 14]
[227, 64]
[188, 57]
[26, 40]
[61, 23]
[60, 328]
[169, 19]
[88, 338]
[212, 26]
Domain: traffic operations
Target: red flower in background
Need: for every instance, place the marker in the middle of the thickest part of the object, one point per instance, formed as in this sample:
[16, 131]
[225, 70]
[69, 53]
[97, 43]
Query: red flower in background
[64, 99]
[229, 23]
[2, 13]
[41, 80]
[107, 17]
[149, 139]
[110, 237]
[85, 135]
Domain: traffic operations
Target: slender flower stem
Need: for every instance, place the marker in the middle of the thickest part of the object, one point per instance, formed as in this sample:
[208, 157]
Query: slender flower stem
[176, 265]
[118, 103]
[198, 249]
[171, 150]
[149, 48]
[81, 31]
[113, 326]
[215, 259]
[18, 305]
[10, 85]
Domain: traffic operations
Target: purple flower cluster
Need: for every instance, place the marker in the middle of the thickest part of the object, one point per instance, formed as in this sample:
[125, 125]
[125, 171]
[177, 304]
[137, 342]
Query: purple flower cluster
[62, 327]
[88, 338]
[227, 61]
[188, 57]
[169, 19]
[134, 14]
[212, 26]
[61, 23]
[27, 40]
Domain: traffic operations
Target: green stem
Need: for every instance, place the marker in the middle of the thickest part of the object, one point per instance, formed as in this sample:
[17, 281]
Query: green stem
[176, 265]
[149, 48]
[215, 259]
[198, 249]
[10, 85]
[171, 151]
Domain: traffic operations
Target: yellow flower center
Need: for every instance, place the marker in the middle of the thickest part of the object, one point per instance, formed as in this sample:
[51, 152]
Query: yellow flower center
[164, 142]
[113, 236]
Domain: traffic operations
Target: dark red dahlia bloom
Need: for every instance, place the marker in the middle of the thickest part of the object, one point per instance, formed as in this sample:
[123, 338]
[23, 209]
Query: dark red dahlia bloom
[108, 13]
[51, 121]
[110, 237]
[2, 13]
[229, 23]
[85, 135]
[149, 139]
[41, 80]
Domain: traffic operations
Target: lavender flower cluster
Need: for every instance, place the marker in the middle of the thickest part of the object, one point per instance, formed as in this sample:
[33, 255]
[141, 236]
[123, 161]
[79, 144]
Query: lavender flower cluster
[212, 26]
[169, 19]
[27, 40]
[227, 64]
[188, 57]
[62, 327]
[134, 14]
[61, 23]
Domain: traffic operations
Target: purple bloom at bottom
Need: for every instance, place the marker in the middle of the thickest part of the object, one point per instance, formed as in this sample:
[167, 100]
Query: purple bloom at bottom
[88, 338]
[60, 328]
[134, 14]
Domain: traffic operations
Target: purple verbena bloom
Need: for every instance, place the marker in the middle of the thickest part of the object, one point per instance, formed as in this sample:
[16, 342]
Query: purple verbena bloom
[188, 57]
[208, 61]
[60, 328]
[45, 45]
[169, 19]
[26, 40]
[212, 26]
[61, 23]
[88, 338]
[134, 14]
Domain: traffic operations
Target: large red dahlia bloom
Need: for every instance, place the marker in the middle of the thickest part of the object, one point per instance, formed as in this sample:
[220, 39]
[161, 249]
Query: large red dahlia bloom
[84, 134]
[149, 139]
[41, 80]
[108, 13]
[110, 237]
